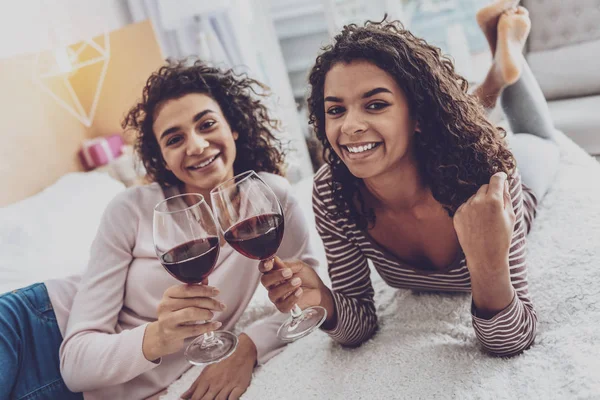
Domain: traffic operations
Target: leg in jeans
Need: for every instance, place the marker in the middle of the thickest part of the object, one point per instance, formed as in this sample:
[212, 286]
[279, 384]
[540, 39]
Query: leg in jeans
[526, 110]
[522, 100]
[525, 106]
[29, 343]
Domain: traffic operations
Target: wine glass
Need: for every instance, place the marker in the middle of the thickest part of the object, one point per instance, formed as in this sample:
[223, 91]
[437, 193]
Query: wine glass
[186, 240]
[252, 220]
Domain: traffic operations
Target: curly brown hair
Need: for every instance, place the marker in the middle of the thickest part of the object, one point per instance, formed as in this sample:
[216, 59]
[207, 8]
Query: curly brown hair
[457, 148]
[240, 100]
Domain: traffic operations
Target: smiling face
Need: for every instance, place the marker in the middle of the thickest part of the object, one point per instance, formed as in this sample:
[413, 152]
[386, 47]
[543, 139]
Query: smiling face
[367, 119]
[196, 141]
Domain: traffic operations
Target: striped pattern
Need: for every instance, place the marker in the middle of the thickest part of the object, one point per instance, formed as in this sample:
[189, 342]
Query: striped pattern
[347, 248]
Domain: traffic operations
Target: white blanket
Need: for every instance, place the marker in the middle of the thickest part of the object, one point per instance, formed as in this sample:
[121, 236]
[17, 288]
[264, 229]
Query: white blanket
[426, 347]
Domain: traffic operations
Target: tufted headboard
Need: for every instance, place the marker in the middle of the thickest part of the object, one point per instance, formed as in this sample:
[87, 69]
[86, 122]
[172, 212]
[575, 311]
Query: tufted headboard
[564, 46]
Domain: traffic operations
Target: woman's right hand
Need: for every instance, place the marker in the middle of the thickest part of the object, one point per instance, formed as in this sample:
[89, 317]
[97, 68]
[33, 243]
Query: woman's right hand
[292, 282]
[179, 311]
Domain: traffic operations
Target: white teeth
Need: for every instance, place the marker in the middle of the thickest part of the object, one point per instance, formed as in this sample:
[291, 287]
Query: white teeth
[360, 149]
[205, 163]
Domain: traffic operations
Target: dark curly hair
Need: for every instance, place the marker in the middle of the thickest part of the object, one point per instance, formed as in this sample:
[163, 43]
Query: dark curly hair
[457, 148]
[239, 98]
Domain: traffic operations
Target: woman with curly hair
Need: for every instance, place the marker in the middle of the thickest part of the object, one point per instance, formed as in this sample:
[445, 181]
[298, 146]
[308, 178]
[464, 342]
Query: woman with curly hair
[420, 183]
[125, 321]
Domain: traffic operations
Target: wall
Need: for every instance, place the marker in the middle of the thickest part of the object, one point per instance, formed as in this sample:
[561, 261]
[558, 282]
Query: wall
[40, 139]
[135, 54]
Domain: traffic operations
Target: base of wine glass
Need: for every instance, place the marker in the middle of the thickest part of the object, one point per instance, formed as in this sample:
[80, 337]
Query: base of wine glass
[201, 353]
[296, 328]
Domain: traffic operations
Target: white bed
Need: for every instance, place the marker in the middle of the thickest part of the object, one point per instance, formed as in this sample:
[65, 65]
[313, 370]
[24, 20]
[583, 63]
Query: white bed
[425, 348]
[49, 235]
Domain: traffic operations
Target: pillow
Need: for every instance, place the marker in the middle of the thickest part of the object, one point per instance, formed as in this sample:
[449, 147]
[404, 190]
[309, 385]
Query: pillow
[49, 234]
[561, 77]
[563, 47]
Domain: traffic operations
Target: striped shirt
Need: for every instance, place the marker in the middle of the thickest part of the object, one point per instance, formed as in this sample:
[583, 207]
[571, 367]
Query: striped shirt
[348, 248]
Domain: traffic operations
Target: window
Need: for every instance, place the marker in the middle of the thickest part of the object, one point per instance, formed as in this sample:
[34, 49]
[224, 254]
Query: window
[448, 24]
[451, 25]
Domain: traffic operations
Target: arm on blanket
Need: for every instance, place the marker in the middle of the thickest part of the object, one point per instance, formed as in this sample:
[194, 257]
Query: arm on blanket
[95, 352]
[513, 329]
[263, 334]
[354, 320]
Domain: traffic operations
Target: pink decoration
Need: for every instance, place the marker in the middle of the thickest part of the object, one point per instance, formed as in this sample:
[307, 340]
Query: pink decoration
[100, 151]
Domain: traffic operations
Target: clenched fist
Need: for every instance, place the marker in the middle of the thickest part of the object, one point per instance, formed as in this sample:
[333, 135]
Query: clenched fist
[484, 224]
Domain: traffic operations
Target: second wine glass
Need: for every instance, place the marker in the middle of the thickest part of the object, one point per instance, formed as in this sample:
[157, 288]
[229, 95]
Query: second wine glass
[252, 220]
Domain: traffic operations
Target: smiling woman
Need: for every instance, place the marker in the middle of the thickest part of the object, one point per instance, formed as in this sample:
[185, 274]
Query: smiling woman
[420, 183]
[196, 141]
[128, 318]
[367, 120]
[213, 102]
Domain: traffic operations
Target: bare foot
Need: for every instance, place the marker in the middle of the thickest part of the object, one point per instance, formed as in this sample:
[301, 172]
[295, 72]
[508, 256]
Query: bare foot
[513, 30]
[488, 18]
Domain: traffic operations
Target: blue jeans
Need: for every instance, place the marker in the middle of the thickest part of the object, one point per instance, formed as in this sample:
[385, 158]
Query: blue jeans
[29, 344]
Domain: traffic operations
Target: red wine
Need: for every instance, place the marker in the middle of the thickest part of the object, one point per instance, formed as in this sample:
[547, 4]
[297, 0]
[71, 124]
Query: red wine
[257, 237]
[193, 261]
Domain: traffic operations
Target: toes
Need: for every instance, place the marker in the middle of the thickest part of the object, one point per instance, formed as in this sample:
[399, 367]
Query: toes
[521, 11]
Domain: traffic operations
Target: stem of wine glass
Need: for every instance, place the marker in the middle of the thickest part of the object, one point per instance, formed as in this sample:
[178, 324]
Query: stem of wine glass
[296, 311]
[209, 340]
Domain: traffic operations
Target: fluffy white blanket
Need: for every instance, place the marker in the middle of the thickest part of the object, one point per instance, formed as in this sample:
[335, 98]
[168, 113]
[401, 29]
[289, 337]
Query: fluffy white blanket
[426, 347]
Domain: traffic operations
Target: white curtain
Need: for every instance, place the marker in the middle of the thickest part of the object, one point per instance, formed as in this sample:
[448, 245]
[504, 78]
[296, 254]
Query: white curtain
[33, 26]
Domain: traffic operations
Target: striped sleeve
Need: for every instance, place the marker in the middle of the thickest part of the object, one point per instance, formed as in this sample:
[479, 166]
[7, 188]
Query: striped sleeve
[513, 329]
[349, 272]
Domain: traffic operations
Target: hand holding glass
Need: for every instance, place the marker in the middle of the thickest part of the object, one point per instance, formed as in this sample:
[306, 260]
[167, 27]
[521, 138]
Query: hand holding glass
[186, 240]
[252, 220]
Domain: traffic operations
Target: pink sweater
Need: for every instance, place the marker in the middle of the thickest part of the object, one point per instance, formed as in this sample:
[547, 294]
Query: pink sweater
[103, 314]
